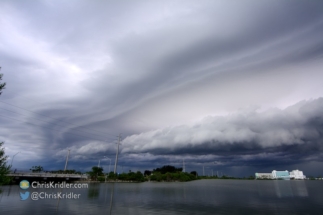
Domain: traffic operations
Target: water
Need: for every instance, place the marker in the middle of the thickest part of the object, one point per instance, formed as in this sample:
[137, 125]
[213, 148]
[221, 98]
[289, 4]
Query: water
[196, 197]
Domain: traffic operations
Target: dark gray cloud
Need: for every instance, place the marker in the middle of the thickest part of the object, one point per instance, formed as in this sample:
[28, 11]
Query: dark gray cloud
[296, 129]
[170, 76]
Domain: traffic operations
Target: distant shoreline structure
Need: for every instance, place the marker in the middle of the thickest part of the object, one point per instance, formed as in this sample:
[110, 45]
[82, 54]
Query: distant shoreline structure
[282, 175]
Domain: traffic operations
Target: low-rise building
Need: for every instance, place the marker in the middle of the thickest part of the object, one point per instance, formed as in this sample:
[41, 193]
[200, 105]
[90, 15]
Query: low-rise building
[281, 175]
[264, 176]
[296, 174]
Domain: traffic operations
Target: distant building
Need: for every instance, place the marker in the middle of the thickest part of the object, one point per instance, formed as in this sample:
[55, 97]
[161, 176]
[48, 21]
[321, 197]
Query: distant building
[264, 176]
[296, 174]
[281, 175]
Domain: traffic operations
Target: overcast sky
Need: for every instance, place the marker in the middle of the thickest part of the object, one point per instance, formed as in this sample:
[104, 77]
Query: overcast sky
[234, 86]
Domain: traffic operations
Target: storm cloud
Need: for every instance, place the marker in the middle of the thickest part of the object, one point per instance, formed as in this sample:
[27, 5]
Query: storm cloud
[297, 128]
[236, 83]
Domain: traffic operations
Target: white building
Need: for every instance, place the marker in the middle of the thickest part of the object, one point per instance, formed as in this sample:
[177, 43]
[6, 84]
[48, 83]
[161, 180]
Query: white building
[296, 174]
[285, 175]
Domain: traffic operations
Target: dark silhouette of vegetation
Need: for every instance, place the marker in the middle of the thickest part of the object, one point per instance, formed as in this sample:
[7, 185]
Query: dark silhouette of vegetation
[251, 177]
[2, 85]
[169, 173]
[130, 177]
[310, 177]
[4, 168]
[37, 169]
[71, 171]
[166, 169]
[226, 177]
[178, 176]
[102, 178]
[216, 177]
[194, 173]
[147, 173]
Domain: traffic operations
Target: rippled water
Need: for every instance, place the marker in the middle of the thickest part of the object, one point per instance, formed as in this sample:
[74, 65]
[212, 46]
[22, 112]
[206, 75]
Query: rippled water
[196, 197]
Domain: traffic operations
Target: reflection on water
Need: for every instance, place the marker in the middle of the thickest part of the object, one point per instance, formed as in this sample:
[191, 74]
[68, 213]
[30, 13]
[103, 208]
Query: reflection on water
[299, 188]
[203, 196]
[93, 191]
[290, 188]
[111, 200]
[283, 188]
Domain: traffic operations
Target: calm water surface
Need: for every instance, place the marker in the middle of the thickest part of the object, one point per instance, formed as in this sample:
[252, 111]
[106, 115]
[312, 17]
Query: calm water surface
[197, 197]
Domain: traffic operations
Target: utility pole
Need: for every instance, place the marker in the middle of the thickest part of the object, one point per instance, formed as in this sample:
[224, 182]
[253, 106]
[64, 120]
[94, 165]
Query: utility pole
[203, 171]
[116, 161]
[109, 164]
[183, 165]
[66, 160]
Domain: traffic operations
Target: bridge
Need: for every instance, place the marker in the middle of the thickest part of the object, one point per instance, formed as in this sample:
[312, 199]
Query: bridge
[41, 176]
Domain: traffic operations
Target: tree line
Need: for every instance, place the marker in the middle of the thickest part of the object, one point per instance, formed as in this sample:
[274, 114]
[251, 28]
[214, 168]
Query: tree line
[4, 167]
[165, 173]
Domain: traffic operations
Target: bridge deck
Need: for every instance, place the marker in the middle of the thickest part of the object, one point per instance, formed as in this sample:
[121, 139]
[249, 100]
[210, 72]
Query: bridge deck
[47, 175]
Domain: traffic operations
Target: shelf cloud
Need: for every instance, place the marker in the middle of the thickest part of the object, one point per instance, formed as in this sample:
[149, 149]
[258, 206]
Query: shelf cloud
[236, 83]
[297, 129]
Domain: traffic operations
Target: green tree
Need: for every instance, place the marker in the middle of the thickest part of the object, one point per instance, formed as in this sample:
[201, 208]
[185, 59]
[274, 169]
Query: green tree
[96, 172]
[4, 168]
[138, 176]
[157, 176]
[112, 176]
